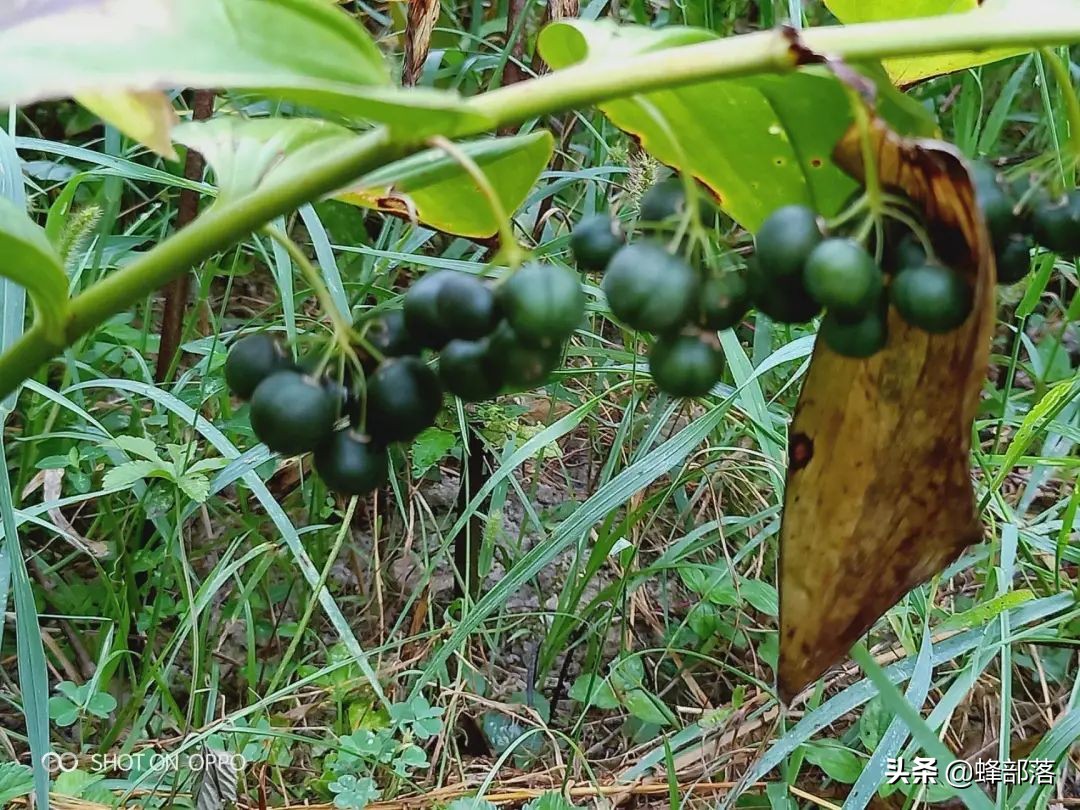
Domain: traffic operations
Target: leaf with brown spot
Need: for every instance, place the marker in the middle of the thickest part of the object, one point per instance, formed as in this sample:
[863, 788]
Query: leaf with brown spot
[885, 500]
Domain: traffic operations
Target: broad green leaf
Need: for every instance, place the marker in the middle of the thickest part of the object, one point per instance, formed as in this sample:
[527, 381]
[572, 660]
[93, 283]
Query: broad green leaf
[837, 763]
[592, 690]
[306, 51]
[139, 446]
[32, 263]
[196, 487]
[429, 448]
[648, 708]
[432, 185]
[245, 153]
[15, 780]
[757, 143]
[127, 474]
[144, 116]
[908, 70]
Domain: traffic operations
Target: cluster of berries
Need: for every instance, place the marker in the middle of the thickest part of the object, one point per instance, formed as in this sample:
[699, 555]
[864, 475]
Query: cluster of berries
[489, 339]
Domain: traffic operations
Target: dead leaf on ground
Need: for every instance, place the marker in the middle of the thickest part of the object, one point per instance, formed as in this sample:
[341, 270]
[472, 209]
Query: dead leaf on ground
[49, 481]
[879, 495]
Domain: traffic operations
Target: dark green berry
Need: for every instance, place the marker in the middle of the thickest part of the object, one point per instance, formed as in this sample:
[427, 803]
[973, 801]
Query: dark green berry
[861, 337]
[725, 300]
[685, 365]
[250, 361]
[422, 318]
[932, 298]
[521, 366]
[595, 240]
[292, 413]
[842, 276]
[403, 398]
[650, 289]
[1014, 259]
[785, 300]
[388, 335]
[468, 371]
[466, 307]
[350, 464]
[1057, 225]
[785, 240]
[543, 303]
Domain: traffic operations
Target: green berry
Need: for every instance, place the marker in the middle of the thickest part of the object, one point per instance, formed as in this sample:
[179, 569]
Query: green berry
[403, 398]
[785, 300]
[932, 298]
[785, 240]
[250, 361]
[468, 371]
[725, 300]
[649, 289]
[466, 307]
[543, 303]
[1057, 225]
[292, 413]
[595, 240]
[521, 366]
[390, 337]
[861, 337]
[1014, 259]
[842, 276]
[350, 464]
[685, 365]
[422, 318]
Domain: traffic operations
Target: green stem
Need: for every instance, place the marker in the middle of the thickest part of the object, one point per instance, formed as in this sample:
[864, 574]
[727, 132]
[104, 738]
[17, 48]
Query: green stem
[1072, 103]
[342, 325]
[508, 244]
[577, 86]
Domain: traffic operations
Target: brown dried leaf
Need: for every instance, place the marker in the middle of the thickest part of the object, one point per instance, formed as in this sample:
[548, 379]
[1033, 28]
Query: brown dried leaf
[879, 495]
[423, 14]
[50, 481]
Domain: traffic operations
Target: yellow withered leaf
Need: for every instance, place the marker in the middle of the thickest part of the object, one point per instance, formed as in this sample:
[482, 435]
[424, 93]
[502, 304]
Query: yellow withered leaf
[879, 495]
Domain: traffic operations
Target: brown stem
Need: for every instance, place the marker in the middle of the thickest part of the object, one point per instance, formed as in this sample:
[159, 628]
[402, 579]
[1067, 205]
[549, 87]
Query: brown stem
[178, 290]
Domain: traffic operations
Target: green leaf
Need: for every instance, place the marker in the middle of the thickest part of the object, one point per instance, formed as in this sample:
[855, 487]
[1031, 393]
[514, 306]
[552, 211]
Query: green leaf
[76, 783]
[648, 708]
[429, 448]
[139, 446]
[354, 793]
[441, 193]
[757, 143]
[246, 153]
[127, 474]
[306, 51]
[101, 704]
[15, 780]
[196, 487]
[62, 711]
[551, 800]
[761, 595]
[908, 70]
[32, 263]
[594, 691]
[837, 763]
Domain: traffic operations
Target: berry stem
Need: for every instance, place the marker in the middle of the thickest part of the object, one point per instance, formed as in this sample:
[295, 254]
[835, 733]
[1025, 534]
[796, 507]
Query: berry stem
[1072, 103]
[342, 327]
[690, 219]
[511, 251]
[871, 180]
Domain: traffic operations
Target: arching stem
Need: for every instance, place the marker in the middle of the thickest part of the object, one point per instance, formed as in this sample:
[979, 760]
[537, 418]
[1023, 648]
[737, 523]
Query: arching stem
[512, 253]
